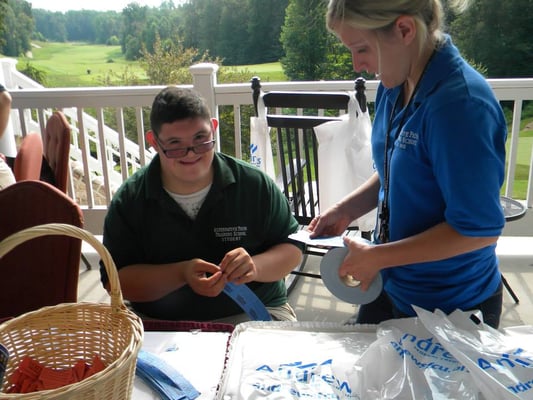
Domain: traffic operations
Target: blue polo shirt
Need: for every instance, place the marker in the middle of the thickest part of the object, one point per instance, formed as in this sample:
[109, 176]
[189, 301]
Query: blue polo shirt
[447, 165]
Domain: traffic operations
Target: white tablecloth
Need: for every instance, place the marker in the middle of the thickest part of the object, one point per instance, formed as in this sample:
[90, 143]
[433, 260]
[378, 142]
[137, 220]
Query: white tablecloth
[198, 356]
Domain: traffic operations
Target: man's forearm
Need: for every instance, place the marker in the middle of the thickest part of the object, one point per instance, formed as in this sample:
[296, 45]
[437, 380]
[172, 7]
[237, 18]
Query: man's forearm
[143, 282]
[277, 262]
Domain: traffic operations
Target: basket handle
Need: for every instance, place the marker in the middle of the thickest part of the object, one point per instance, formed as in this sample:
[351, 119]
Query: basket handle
[9, 243]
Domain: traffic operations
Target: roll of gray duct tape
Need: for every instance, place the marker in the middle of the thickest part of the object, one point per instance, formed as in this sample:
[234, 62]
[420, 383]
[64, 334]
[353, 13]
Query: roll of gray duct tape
[339, 287]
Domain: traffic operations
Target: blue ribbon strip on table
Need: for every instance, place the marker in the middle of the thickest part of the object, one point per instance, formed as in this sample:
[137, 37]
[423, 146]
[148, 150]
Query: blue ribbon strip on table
[163, 378]
[248, 301]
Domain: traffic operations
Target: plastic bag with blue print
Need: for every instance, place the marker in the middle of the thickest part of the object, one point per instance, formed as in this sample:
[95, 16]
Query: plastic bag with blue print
[500, 361]
[408, 362]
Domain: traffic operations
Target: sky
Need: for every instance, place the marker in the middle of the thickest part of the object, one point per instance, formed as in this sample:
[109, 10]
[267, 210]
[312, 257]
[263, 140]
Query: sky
[98, 5]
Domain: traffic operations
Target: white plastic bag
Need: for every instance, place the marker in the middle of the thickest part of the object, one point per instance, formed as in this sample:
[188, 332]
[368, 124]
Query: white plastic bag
[260, 145]
[407, 362]
[500, 362]
[345, 158]
[294, 360]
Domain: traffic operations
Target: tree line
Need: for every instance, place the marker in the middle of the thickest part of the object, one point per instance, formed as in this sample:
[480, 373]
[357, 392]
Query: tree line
[237, 31]
[494, 35]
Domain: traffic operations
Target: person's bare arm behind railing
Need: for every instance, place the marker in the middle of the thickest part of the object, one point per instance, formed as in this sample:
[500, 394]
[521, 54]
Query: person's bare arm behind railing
[5, 109]
[6, 175]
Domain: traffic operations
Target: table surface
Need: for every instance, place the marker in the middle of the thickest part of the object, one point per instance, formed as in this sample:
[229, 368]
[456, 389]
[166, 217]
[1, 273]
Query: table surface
[183, 351]
[512, 209]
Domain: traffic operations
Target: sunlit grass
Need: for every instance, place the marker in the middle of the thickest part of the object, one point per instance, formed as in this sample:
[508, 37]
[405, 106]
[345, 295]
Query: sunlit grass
[79, 64]
[269, 72]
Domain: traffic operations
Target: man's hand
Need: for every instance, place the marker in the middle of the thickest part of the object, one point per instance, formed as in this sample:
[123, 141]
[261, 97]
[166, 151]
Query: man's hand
[238, 267]
[204, 278]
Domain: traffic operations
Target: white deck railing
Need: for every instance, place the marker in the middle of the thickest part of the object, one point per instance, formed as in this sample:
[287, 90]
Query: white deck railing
[106, 154]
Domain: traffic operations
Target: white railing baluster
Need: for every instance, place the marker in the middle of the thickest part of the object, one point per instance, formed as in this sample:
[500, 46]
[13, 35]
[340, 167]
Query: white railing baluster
[238, 131]
[513, 149]
[122, 143]
[529, 195]
[85, 154]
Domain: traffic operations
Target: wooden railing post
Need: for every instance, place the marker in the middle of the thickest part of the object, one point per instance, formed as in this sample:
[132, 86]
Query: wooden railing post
[204, 80]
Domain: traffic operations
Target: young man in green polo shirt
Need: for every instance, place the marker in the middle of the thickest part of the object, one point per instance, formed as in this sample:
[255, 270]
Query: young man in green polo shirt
[194, 219]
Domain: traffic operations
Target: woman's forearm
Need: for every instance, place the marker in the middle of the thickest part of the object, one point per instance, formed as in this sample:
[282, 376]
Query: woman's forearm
[437, 243]
[363, 199]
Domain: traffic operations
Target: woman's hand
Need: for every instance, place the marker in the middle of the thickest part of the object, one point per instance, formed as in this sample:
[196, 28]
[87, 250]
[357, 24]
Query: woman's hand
[238, 267]
[337, 218]
[331, 223]
[358, 263]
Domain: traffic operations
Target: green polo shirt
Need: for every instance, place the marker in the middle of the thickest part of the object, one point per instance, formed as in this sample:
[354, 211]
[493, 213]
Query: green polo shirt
[244, 208]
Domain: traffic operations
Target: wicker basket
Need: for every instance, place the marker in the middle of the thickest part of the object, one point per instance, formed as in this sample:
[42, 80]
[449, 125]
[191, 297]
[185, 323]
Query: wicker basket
[58, 336]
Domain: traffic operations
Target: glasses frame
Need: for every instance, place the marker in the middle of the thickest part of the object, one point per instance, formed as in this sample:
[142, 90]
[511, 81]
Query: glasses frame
[185, 150]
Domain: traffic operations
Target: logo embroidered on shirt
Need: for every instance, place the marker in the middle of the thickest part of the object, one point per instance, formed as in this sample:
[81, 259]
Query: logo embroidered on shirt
[407, 138]
[231, 233]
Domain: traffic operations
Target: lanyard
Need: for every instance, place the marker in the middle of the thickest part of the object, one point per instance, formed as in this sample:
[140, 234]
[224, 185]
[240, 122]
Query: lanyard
[384, 211]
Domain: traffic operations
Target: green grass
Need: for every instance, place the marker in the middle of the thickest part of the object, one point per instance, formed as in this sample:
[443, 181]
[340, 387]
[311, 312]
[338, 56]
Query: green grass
[67, 64]
[269, 72]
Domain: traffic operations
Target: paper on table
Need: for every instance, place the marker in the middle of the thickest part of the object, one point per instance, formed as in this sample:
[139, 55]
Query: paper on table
[183, 350]
[331, 241]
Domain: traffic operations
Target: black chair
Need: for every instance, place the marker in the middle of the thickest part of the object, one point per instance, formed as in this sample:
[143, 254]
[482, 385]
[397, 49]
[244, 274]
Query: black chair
[292, 115]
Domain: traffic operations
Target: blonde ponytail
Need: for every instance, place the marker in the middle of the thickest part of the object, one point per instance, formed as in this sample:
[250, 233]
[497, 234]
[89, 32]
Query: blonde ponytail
[381, 14]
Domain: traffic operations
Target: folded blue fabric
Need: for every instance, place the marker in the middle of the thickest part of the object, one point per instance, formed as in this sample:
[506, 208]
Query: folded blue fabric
[163, 378]
[248, 301]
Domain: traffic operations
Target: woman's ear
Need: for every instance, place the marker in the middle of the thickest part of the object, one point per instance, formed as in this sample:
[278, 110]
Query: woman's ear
[405, 26]
[214, 122]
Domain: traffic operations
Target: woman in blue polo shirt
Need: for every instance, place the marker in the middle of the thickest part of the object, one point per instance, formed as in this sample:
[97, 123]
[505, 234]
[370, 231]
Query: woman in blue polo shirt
[438, 143]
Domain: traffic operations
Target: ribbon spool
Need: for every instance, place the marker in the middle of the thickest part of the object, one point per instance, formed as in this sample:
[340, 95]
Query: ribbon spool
[346, 288]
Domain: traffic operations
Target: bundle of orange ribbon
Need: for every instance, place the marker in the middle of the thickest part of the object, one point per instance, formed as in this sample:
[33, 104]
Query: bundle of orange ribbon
[32, 376]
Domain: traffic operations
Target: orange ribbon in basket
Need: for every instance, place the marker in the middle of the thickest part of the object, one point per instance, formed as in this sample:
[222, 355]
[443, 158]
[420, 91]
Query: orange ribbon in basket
[31, 376]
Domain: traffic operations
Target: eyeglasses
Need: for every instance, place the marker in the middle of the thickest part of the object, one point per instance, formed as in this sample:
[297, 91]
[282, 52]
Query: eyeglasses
[180, 152]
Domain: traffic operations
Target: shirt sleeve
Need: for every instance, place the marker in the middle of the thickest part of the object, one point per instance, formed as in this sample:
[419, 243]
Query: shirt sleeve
[120, 236]
[281, 222]
[467, 151]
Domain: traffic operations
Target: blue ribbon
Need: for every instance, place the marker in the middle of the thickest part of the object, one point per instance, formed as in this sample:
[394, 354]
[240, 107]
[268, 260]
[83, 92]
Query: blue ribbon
[248, 301]
[163, 378]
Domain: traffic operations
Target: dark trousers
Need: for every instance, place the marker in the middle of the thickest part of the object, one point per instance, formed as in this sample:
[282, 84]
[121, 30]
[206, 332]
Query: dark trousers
[382, 309]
